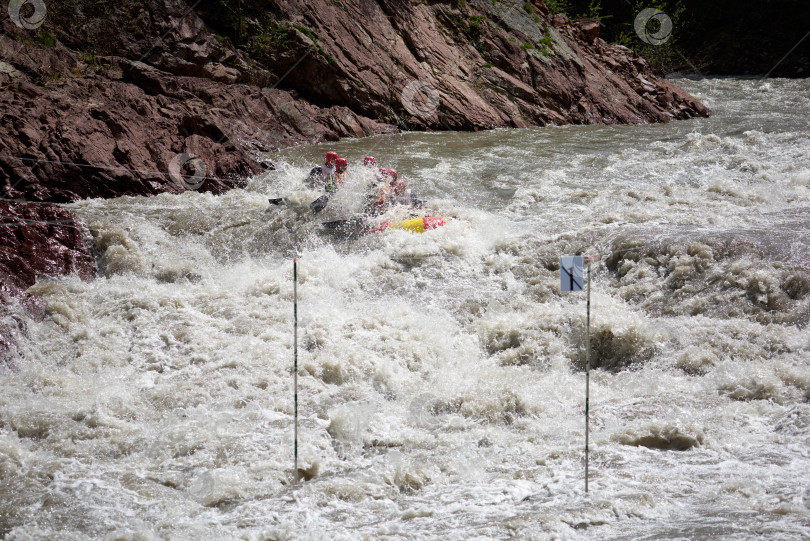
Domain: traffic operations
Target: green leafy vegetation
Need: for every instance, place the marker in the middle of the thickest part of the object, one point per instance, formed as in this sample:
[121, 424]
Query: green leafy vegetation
[558, 6]
[92, 62]
[577, 9]
[309, 33]
[546, 41]
[473, 30]
[47, 39]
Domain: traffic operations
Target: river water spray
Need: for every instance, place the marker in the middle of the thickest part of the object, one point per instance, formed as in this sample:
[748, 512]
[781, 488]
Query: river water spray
[441, 384]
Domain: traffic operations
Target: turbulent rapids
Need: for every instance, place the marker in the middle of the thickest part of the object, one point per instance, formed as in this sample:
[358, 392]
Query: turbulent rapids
[441, 390]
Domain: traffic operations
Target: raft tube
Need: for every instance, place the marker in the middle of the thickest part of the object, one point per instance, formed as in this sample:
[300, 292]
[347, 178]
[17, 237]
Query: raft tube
[415, 225]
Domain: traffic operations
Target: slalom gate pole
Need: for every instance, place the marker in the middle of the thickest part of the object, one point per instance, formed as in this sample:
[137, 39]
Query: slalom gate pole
[295, 361]
[587, 371]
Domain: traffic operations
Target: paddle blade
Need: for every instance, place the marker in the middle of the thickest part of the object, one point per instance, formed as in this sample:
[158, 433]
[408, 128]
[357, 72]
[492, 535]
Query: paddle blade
[335, 224]
[351, 227]
[319, 204]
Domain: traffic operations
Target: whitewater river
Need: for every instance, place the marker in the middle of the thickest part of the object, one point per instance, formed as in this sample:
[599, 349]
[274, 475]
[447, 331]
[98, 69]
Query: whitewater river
[441, 376]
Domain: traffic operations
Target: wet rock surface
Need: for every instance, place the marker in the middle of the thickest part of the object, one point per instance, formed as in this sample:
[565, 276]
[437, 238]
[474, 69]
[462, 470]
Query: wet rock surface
[38, 240]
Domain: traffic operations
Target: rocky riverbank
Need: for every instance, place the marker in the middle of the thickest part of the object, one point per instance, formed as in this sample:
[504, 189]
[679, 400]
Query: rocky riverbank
[38, 240]
[103, 99]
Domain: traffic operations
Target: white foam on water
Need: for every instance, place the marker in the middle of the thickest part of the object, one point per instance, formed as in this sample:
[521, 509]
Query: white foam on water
[441, 384]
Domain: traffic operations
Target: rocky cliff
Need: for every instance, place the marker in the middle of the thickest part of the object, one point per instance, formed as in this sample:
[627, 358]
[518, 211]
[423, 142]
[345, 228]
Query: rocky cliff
[109, 98]
[464, 65]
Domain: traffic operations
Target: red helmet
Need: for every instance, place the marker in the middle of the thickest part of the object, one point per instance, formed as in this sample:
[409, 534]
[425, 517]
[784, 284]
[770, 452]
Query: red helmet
[341, 164]
[383, 171]
[331, 157]
[393, 173]
[399, 186]
[369, 161]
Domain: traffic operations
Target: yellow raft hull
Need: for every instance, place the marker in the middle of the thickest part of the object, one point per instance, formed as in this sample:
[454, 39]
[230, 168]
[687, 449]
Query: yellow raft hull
[417, 225]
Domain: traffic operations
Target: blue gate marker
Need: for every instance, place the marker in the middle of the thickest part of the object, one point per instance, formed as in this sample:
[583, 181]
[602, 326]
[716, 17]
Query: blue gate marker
[571, 273]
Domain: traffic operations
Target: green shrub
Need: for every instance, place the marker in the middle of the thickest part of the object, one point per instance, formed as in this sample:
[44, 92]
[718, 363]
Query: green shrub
[546, 40]
[558, 6]
[47, 39]
[474, 28]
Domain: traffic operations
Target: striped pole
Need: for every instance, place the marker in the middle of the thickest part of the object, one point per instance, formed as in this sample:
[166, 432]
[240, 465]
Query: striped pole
[587, 370]
[295, 360]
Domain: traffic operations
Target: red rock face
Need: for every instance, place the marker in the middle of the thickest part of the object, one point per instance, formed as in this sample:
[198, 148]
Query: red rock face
[478, 65]
[116, 132]
[37, 240]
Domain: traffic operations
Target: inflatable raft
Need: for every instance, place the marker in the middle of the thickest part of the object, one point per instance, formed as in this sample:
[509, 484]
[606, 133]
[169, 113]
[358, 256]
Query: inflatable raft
[414, 225]
[361, 225]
